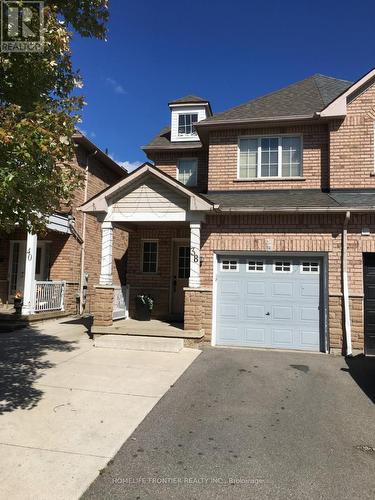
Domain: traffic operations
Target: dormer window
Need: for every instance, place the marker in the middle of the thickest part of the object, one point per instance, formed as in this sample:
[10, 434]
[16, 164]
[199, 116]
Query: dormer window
[186, 124]
[186, 112]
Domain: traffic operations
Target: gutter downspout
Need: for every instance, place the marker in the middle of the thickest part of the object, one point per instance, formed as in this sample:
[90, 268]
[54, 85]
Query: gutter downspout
[345, 287]
[83, 246]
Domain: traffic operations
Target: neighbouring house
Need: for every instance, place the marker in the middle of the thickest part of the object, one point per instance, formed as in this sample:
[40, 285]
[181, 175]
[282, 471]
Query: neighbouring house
[256, 224]
[56, 272]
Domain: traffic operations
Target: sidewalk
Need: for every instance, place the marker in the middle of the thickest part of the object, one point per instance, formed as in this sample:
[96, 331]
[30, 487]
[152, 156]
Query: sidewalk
[67, 407]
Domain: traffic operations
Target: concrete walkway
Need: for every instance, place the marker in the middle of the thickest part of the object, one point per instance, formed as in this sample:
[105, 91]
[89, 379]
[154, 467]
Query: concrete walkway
[67, 407]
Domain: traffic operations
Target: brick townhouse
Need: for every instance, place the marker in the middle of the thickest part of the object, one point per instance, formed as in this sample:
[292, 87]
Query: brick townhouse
[57, 271]
[255, 225]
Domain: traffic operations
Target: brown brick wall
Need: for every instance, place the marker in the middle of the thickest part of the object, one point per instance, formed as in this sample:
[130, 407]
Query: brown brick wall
[102, 306]
[352, 144]
[67, 264]
[198, 310]
[70, 299]
[157, 285]
[65, 251]
[167, 162]
[299, 233]
[223, 150]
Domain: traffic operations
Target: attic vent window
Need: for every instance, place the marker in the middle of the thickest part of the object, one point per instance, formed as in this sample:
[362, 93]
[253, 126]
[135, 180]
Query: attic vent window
[186, 124]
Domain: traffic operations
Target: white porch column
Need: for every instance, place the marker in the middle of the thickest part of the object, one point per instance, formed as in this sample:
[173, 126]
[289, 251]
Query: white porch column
[195, 252]
[106, 264]
[28, 288]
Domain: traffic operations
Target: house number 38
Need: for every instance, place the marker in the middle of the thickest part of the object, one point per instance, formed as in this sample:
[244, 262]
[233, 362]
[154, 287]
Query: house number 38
[195, 255]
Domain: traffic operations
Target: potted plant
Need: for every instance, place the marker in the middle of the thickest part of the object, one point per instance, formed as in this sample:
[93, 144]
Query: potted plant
[18, 302]
[144, 305]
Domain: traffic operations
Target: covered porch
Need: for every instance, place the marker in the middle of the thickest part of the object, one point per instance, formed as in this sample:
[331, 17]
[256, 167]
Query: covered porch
[25, 269]
[164, 221]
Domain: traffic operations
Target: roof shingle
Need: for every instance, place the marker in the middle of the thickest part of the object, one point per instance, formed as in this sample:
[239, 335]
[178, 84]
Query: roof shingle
[162, 141]
[291, 198]
[301, 99]
[189, 99]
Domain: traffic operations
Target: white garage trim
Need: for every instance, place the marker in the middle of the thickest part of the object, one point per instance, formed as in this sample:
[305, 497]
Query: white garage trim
[309, 256]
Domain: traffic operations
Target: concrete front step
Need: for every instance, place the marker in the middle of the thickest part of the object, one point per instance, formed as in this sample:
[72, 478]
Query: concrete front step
[154, 332]
[138, 343]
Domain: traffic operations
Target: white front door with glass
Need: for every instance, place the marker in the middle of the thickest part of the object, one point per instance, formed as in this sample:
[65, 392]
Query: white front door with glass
[17, 262]
[180, 278]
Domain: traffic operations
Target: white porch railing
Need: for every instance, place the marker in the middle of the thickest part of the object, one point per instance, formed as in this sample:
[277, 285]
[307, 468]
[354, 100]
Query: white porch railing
[49, 296]
[120, 302]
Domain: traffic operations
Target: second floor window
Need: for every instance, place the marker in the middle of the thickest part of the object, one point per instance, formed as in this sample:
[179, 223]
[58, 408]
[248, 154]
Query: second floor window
[262, 157]
[185, 124]
[187, 171]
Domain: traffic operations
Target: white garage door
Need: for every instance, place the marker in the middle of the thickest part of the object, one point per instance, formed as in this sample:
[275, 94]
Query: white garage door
[269, 302]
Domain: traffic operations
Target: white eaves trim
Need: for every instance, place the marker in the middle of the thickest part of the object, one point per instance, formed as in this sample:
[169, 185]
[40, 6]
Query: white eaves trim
[102, 202]
[338, 107]
[59, 224]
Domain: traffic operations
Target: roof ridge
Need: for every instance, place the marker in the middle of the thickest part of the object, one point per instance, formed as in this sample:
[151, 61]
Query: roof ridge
[332, 77]
[318, 89]
[189, 97]
[268, 94]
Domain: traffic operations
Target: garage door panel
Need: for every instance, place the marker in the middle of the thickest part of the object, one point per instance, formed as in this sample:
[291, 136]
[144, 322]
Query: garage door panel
[256, 288]
[280, 289]
[231, 335]
[255, 335]
[282, 336]
[370, 293]
[309, 289]
[268, 308]
[255, 312]
[309, 314]
[230, 311]
[309, 338]
[282, 313]
[230, 287]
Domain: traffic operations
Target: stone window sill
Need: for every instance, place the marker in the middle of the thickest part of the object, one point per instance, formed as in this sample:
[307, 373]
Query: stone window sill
[272, 179]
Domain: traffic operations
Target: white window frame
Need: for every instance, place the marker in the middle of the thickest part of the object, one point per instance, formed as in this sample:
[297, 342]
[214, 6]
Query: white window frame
[148, 240]
[230, 270]
[256, 261]
[193, 134]
[283, 262]
[196, 171]
[259, 156]
[310, 263]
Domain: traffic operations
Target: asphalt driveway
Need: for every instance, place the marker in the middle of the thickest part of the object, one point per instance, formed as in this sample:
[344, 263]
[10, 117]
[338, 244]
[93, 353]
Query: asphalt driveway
[254, 424]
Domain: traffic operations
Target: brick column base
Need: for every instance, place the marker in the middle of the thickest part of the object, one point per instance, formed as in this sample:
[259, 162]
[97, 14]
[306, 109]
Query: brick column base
[198, 310]
[336, 321]
[70, 297]
[102, 307]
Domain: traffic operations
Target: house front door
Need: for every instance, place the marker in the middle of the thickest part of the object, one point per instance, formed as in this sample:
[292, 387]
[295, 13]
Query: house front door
[180, 277]
[17, 265]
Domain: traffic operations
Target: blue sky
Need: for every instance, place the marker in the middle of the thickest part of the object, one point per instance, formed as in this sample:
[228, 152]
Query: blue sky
[227, 52]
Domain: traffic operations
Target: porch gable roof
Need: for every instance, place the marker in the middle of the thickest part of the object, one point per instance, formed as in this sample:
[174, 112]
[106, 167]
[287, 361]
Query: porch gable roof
[102, 201]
